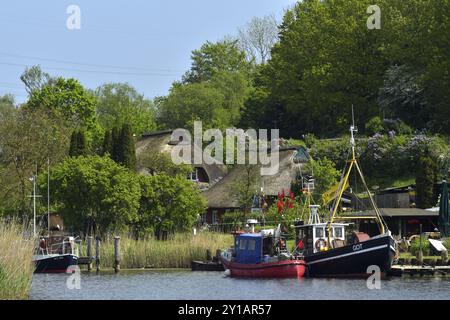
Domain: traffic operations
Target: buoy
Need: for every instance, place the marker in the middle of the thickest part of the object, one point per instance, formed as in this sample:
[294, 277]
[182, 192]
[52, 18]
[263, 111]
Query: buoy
[227, 273]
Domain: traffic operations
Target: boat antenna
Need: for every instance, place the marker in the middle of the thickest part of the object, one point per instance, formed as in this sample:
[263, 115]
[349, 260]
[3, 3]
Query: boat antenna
[353, 130]
[48, 195]
[34, 196]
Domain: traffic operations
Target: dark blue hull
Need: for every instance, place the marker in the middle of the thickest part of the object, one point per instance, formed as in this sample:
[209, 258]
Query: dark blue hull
[55, 264]
[353, 260]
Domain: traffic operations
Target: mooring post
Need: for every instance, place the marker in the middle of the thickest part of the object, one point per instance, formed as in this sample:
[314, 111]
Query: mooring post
[116, 254]
[97, 253]
[218, 254]
[208, 255]
[89, 252]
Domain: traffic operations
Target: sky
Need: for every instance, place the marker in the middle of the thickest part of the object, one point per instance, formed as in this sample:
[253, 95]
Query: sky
[146, 43]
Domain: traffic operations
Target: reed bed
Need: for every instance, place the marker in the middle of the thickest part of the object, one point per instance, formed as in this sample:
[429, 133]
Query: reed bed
[176, 252]
[16, 267]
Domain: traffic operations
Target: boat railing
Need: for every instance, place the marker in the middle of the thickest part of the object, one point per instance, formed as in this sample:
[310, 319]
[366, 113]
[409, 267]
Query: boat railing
[64, 247]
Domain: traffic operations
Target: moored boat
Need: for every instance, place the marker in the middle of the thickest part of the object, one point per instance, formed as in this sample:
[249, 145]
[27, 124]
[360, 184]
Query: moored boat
[55, 254]
[325, 247]
[261, 255]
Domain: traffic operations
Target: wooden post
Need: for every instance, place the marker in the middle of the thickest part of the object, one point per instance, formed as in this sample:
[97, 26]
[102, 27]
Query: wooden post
[97, 253]
[116, 254]
[208, 255]
[218, 254]
[89, 252]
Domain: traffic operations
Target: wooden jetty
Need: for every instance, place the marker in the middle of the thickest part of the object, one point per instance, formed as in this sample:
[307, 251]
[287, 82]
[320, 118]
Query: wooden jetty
[399, 270]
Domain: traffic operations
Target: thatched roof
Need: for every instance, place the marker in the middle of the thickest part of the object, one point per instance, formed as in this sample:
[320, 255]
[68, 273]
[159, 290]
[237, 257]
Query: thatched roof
[161, 142]
[221, 196]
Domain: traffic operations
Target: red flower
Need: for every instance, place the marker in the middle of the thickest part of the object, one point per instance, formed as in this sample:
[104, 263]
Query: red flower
[280, 206]
[290, 205]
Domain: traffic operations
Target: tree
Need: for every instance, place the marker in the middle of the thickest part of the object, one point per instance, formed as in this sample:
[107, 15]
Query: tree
[168, 205]
[258, 38]
[126, 147]
[97, 191]
[325, 175]
[425, 178]
[7, 104]
[213, 58]
[78, 144]
[27, 140]
[120, 103]
[107, 146]
[213, 91]
[246, 186]
[66, 99]
[193, 102]
[35, 79]
[402, 96]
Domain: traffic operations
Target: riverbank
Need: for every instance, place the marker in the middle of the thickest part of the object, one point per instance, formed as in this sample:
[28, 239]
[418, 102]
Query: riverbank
[177, 252]
[16, 267]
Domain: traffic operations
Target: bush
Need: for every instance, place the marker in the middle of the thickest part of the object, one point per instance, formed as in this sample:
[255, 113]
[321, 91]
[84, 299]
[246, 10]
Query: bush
[415, 246]
[374, 125]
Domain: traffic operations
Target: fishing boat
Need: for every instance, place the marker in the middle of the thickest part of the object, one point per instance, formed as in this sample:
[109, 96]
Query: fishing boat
[261, 255]
[55, 253]
[326, 249]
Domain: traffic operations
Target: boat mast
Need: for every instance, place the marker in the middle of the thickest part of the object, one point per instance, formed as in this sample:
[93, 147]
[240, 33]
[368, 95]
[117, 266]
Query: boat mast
[353, 163]
[34, 196]
[48, 195]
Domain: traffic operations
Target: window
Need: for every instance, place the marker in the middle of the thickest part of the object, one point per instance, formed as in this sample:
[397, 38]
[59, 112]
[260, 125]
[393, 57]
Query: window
[193, 176]
[251, 244]
[214, 217]
[319, 232]
[242, 244]
[338, 232]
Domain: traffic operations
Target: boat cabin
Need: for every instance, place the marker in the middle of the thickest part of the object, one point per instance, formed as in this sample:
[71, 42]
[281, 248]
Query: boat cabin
[252, 248]
[312, 238]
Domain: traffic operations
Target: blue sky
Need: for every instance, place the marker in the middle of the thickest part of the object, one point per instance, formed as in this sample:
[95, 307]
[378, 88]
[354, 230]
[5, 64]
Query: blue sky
[144, 43]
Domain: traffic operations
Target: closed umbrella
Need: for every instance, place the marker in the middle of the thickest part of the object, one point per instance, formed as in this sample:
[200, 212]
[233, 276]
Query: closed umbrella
[444, 211]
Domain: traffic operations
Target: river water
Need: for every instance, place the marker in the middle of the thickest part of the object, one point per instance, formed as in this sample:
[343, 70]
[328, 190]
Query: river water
[187, 285]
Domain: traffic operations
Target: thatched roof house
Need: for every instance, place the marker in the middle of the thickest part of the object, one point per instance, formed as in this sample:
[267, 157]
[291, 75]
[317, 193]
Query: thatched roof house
[221, 198]
[161, 142]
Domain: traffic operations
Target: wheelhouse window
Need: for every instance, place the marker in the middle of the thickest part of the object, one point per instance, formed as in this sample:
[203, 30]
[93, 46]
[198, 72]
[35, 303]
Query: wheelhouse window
[338, 232]
[251, 245]
[319, 232]
[242, 244]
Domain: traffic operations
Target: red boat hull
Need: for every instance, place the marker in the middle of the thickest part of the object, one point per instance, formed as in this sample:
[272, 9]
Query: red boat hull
[281, 269]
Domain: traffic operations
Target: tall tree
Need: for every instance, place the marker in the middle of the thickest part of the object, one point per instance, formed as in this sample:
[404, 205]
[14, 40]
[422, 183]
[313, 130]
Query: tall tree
[127, 150]
[258, 37]
[213, 58]
[35, 79]
[78, 144]
[425, 178]
[67, 99]
[120, 103]
[27, 140]
[107, 146]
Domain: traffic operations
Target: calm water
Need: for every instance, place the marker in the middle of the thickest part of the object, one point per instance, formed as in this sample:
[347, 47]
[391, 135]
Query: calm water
[189, 285]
